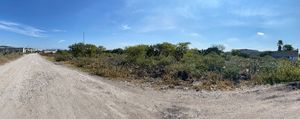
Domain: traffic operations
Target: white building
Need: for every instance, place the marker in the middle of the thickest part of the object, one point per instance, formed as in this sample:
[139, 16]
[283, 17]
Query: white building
[9, 49]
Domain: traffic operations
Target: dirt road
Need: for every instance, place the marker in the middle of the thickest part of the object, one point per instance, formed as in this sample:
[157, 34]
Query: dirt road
[34, 88]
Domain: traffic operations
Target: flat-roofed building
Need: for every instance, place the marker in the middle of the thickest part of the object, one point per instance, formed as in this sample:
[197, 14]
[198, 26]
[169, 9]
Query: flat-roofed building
[9, 49]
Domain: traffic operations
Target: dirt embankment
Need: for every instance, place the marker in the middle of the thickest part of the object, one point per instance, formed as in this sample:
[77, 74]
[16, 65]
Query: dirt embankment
[34, 88]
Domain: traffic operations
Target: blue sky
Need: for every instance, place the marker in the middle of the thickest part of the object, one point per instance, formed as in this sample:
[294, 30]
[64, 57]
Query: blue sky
[255, 24]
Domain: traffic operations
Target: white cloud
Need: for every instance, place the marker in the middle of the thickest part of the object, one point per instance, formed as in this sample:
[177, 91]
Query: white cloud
[234, 23]
[190, 33]
[260, 33]
[125, 27]
[266, 23]
[58, 30]
[157, 22]
[168, 14]
[209, 3]
[276, 23]
[194, 34]
[21, 29]
[255, 12]
[61, 41]
[199, 3]
[232, 40]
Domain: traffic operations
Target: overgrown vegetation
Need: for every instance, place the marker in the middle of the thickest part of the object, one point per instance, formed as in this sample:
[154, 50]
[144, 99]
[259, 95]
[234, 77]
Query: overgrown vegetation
[6, 57]
[178, 65]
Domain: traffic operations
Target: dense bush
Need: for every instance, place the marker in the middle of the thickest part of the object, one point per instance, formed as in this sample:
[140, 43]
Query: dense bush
[63, 55]
[116, 51]
[137, 54]
[214, 49]
[177, 64]
[239, 53]
[85, 50]
[280, 71]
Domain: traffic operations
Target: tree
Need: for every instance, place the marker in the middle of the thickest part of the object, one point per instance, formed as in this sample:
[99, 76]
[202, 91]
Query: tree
[220, 47]
[100, 49]
[118, 51]
[181, 49]
[77, 49]
[90, 50]
[214, 62]
[216, 49]
[279, 44]
[63, 55]
[136, 54]
[165, 49]
[152, 51]
[288, 47]
[239, 53]
[83, 50]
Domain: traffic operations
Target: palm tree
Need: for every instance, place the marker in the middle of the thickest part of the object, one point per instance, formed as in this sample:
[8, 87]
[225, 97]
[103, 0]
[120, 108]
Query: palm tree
[280, 44]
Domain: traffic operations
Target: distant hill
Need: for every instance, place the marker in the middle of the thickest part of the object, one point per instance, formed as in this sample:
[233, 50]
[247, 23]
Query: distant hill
[250, 52]
[3, 46]
[246, 52]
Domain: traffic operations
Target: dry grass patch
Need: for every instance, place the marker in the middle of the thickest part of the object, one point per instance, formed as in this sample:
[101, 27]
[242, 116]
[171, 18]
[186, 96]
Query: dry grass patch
[4, 58]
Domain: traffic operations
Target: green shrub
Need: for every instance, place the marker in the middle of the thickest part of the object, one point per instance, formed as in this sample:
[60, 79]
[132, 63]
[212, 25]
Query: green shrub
[84, 50]
[218, 49]
[117, 51]
[239, 53]
[285, 71]
[136, 54]
[214, 62]
[63, 55]
[231, 72]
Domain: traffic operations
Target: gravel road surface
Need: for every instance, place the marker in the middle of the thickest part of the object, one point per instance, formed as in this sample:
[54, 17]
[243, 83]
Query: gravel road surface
[34, 88]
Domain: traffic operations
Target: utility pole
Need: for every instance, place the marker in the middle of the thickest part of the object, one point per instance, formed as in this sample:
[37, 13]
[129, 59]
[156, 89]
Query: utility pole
[83, 38]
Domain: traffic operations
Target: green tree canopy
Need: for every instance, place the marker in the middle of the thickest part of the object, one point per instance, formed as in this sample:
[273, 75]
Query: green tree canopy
[181, 49]
[136, 53]
[101, 49]
[288, 47]
[83, 50]
[214, 49]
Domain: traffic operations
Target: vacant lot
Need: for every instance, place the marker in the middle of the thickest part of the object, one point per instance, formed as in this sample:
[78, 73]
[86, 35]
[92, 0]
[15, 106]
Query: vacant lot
[167, 65]
[34, 88]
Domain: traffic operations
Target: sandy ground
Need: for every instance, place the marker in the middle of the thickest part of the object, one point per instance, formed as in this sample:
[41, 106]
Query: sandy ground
[34, 88]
